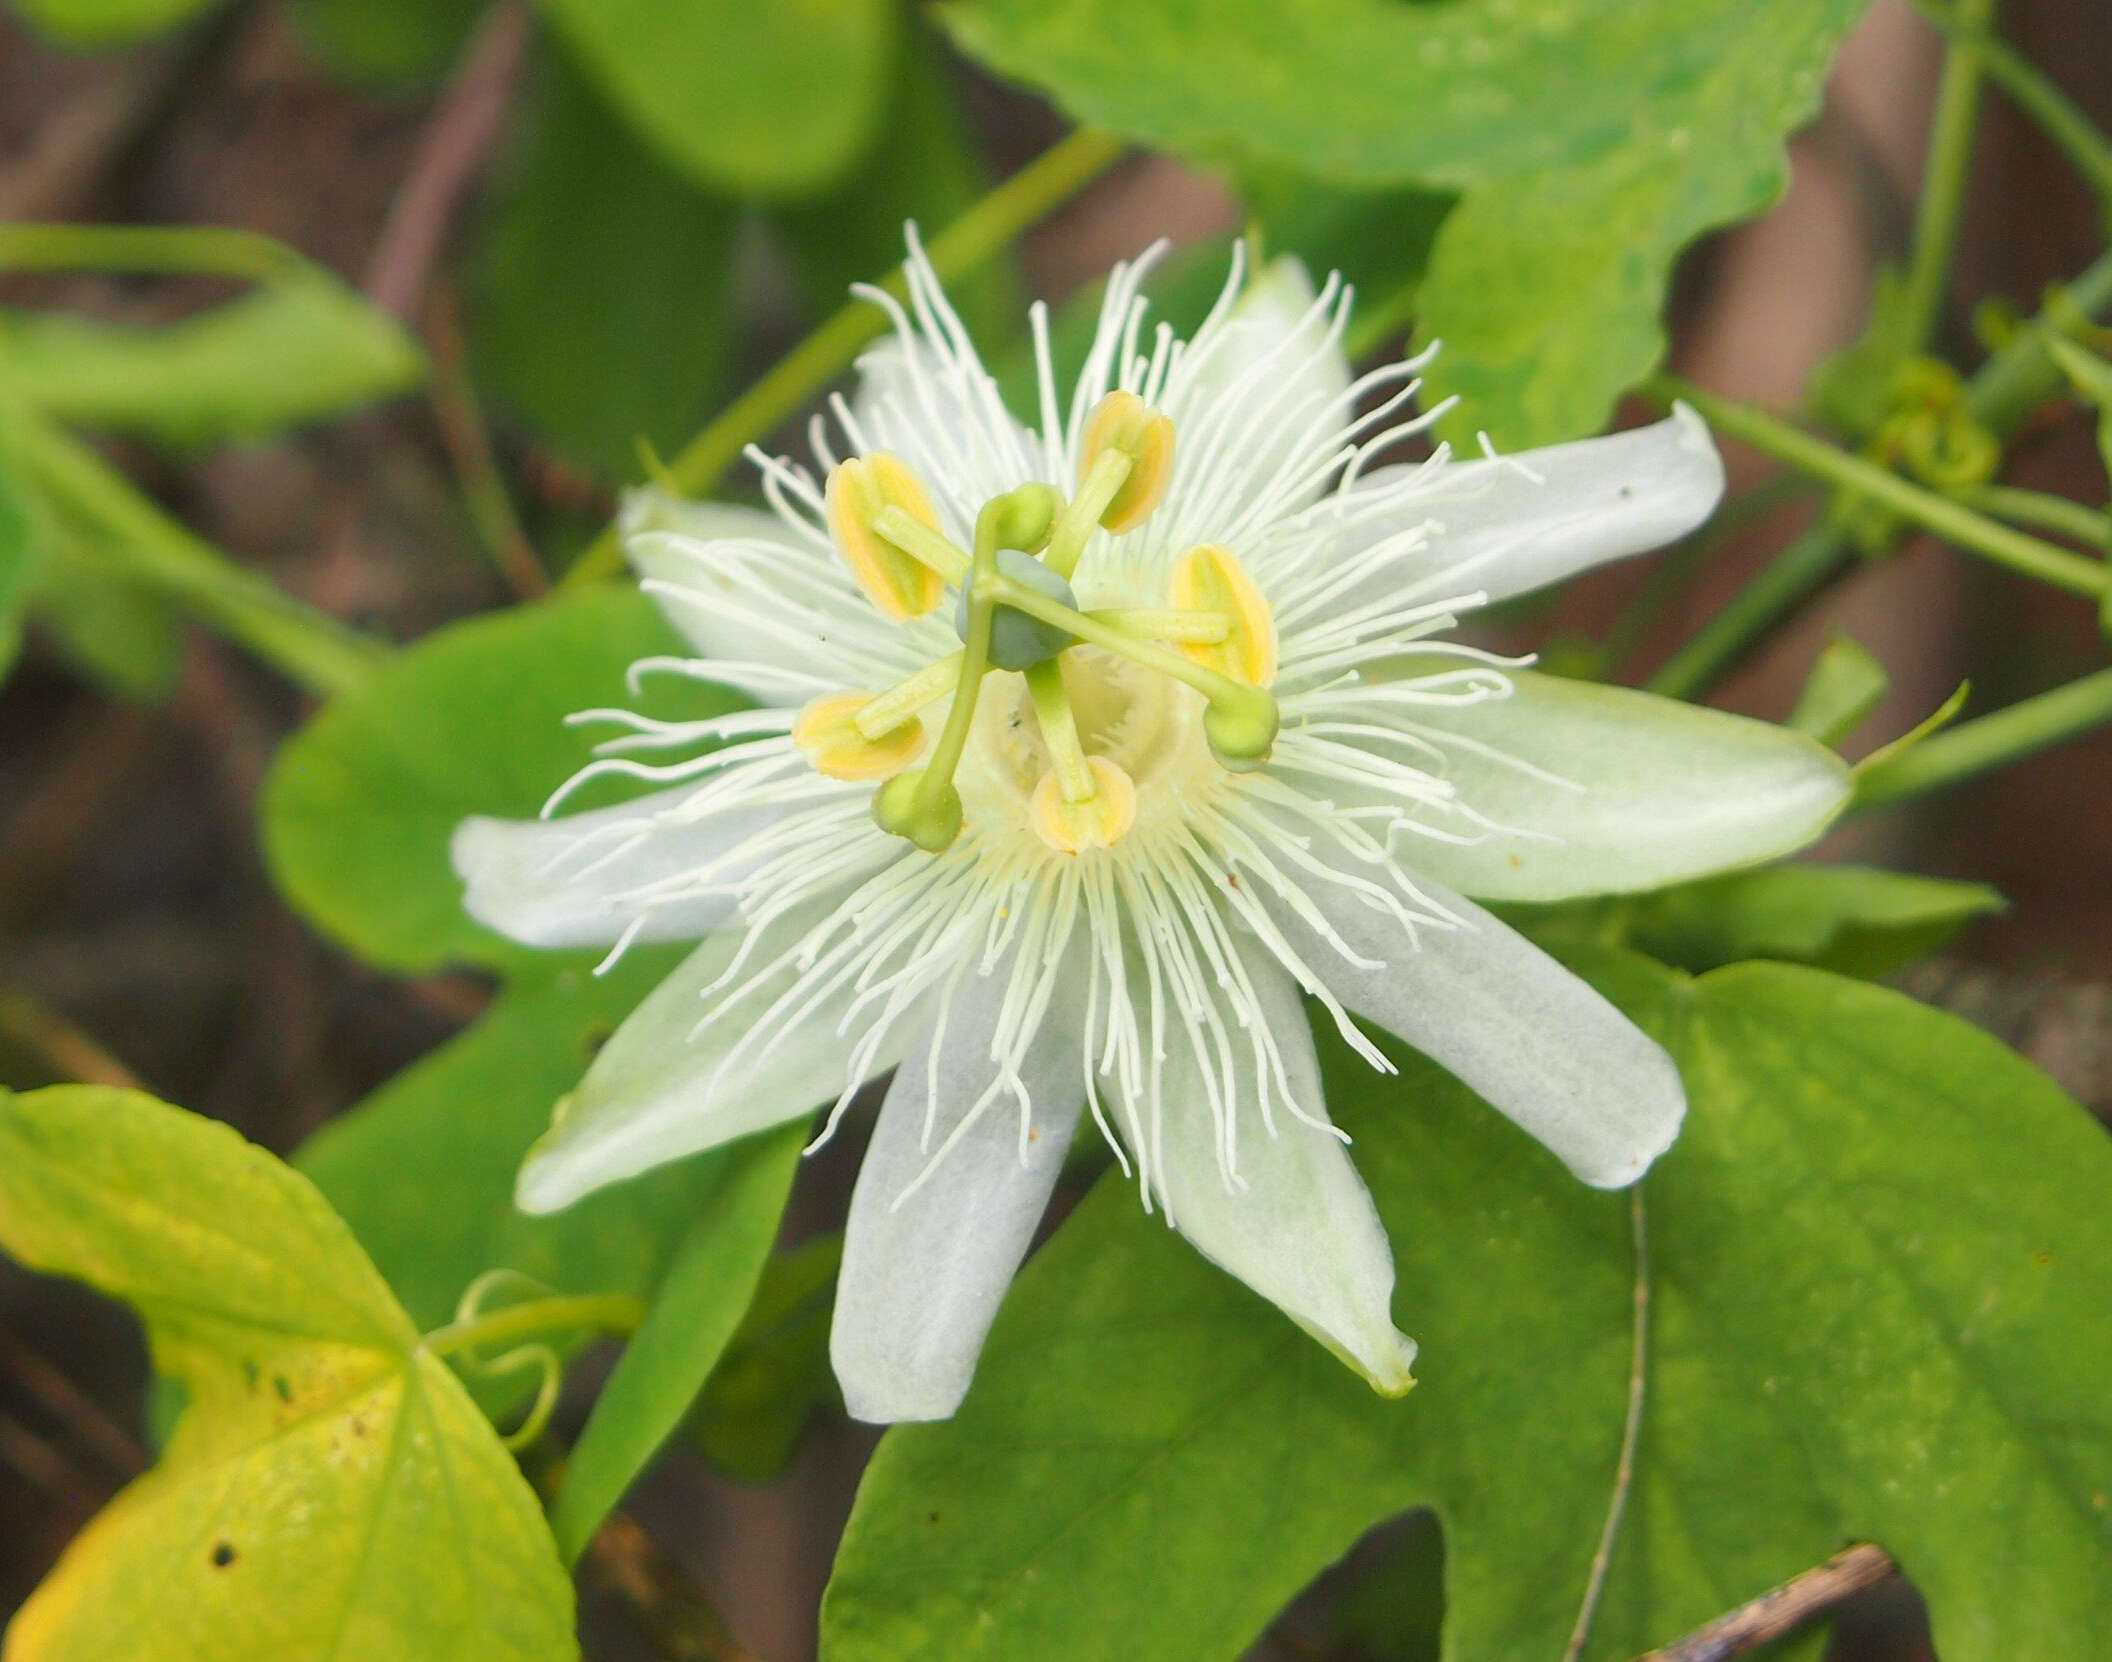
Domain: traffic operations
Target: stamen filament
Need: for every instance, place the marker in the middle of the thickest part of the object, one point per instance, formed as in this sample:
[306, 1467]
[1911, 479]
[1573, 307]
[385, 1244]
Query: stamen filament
[920, 542]
[890, 709]
[1160, 623]
[1059, 731]
[1081, 515]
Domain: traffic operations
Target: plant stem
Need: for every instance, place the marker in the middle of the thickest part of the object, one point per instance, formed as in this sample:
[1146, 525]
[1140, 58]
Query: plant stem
[2016, 380]
[1949, 519]
[2042, 509]
[1977, 747]
[1785, 580]
[1051, 178]
[2087, 148]
[598, 1312]
[1947, 172]
[2022, 374]
[310, 646]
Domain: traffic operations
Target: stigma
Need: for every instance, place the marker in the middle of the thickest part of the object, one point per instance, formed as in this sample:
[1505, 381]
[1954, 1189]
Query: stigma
[1112, 716]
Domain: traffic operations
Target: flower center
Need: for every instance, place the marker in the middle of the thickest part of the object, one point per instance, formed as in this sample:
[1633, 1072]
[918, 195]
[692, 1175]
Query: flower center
[1073, 715]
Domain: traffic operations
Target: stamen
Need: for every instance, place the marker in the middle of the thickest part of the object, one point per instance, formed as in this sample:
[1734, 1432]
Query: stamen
[922, 542]
[1211, 578]
[906, 698]
[831, 737]
[1097, 821]
[901, 585]
[1156, 623]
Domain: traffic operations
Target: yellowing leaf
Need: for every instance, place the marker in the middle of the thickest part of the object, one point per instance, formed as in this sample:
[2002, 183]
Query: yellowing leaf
[330, 1492]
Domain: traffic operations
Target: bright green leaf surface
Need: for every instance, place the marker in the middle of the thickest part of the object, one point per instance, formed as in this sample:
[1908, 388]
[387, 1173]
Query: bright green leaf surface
[361, 802]
[1845, 685]
[774, 1376]
[1592, 141]
[923, 167]
[1855, 920]
[602, 285]
[386, 41]
[1880, 1254]
[292, 350]
[330, 1491]
[106, 23]
[423, 1169]
[114, 628]
[695, 1311]
[769, 97]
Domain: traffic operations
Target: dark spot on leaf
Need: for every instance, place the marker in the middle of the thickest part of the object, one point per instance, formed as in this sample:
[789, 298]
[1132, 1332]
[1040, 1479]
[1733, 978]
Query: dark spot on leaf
[284, 1386]
[591, 1041]
[1515, 861]
[251, 1374]
[1626, 492]
[2042, 1259]
[223, 1555]
[933, 1517]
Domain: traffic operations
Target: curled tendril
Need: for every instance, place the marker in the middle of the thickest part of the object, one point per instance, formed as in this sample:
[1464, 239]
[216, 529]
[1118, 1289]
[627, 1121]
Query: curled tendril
[476, 1303]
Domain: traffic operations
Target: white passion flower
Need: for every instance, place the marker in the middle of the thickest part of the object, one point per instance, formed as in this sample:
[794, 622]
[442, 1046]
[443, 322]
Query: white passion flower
[1079, 752]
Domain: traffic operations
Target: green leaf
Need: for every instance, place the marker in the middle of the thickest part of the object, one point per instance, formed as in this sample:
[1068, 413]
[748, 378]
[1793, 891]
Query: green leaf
[389, 42]
[600, 295]
[330, 1490]
[294, 349]
[1854, 920]
[695, 1310]
[106, 23]
[770, 97]
[1926, 728]
[126, 636]
[923, 167]
[775, 1375]
[1845, 685]
[1591, 143]
[1878, 1253]
[360, 804]
[1856, 389]
[423, 1169]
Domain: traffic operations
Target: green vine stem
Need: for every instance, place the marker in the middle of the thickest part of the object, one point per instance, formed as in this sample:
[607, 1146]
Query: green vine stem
[322, 654]
[1781, 584]
[1059, 173]
[2016, 380]
[2085, 145]
[2042, 510]
[1948, 518]
[617, 1313]
[1993, 741]
[1947, 172]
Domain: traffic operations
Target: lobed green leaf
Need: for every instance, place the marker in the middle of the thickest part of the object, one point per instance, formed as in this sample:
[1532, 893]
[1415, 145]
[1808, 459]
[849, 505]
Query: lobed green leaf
[1591, 143]
[360, 804]
[1878, 1260]
[330, 1490]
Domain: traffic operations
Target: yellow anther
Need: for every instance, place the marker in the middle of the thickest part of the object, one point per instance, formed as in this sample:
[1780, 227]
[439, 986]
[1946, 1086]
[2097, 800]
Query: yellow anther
[860, 490]
[1125, 424]
[1100, 821]
[828, 734]
[1209, 579]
